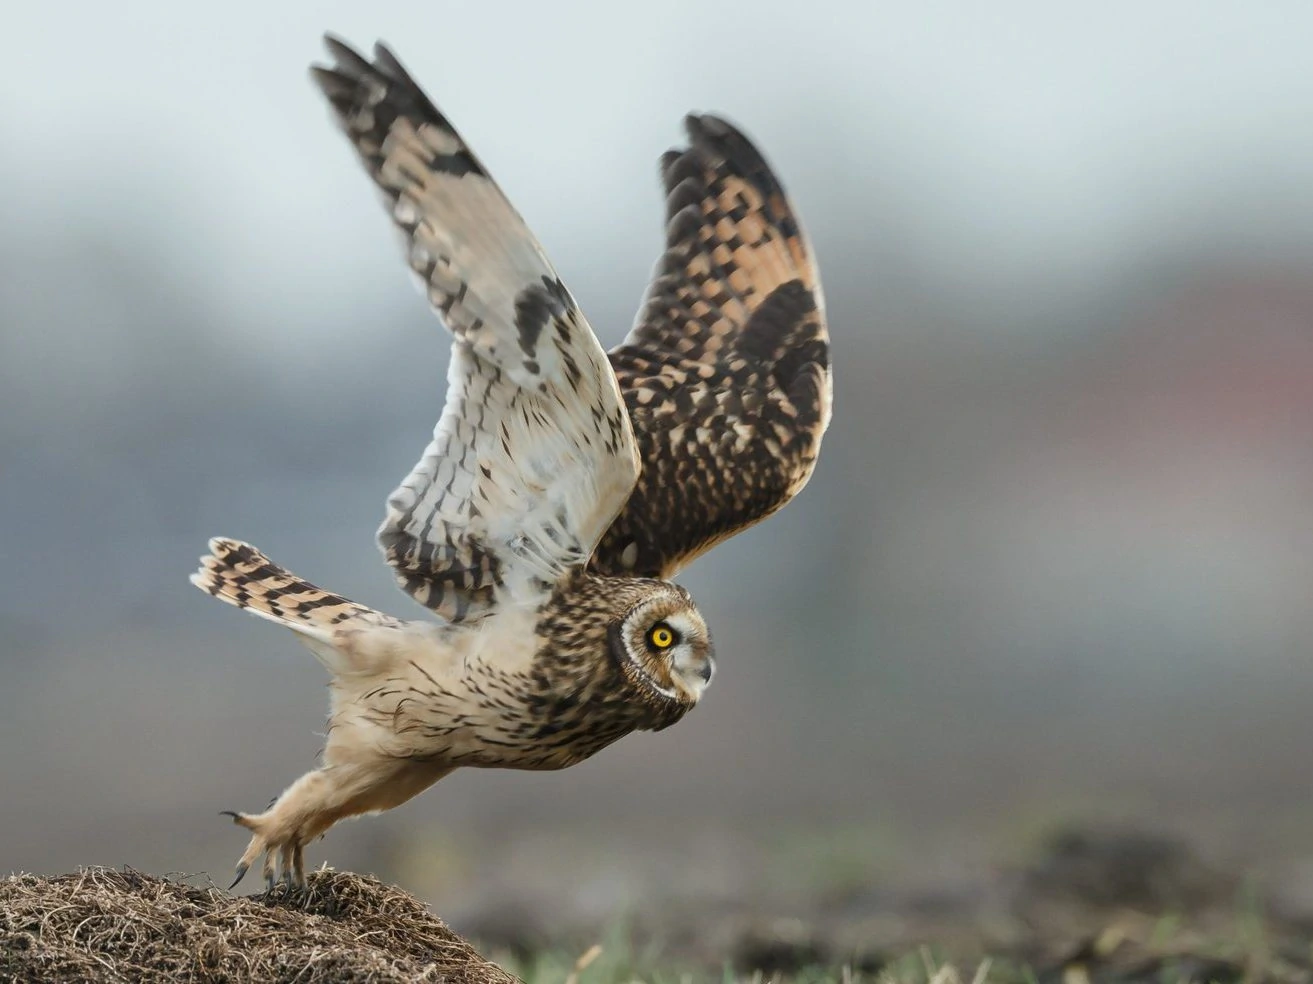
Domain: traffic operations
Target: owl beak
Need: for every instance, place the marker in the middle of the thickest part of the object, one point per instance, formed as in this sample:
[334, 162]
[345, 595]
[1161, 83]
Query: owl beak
[692, 671]
[698, 672]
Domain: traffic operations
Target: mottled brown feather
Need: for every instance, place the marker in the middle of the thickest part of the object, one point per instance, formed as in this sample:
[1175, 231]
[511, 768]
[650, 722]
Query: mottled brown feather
[727, 372]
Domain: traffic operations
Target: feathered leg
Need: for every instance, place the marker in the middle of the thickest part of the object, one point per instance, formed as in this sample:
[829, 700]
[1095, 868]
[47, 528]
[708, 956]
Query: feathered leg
[321, 798]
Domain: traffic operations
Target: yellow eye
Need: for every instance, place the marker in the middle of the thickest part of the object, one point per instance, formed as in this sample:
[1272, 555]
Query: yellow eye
[661, 636]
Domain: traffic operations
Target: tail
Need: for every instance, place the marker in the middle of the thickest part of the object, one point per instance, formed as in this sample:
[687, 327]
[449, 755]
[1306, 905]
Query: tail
[239, 574]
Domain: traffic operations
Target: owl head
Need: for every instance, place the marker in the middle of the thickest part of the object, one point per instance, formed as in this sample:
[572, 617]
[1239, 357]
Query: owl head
[663, 647]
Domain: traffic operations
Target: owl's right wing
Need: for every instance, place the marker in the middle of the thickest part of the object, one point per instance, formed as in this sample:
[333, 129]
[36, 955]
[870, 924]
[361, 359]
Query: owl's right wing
[534, 454]
[727, 370]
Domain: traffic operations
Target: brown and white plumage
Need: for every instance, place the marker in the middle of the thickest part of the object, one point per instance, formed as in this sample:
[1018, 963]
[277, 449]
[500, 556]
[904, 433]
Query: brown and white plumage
[562, 485]
[727, 372]
[527, 373]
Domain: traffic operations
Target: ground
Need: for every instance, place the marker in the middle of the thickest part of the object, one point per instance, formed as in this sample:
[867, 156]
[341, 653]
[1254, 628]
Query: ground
[1096, 908]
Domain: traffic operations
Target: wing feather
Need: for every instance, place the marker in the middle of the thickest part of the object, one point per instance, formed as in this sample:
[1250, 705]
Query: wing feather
[534, 454]
[726, 372]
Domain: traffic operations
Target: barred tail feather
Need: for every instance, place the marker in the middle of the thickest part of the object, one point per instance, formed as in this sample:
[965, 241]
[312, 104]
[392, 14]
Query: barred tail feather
[241, 575]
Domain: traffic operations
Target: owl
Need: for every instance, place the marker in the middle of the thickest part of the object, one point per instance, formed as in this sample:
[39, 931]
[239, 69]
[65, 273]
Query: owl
[564, 486]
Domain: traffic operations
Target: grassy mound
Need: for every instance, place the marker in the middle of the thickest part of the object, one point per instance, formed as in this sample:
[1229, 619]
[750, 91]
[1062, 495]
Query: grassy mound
[105, 925]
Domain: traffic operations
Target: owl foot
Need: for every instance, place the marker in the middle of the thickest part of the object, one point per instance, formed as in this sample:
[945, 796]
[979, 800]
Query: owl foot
[283, 856]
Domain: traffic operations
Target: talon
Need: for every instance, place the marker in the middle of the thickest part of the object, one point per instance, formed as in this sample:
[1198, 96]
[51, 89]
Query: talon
[240, 819]
[242, 869]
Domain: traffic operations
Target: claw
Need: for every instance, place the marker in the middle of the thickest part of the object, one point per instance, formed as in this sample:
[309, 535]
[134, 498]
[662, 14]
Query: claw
[280, 844]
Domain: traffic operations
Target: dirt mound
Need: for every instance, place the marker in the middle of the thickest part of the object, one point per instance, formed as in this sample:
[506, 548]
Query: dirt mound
[105, 925]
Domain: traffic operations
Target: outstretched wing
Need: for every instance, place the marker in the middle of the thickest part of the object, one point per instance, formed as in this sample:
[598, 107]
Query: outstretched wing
[727, 371]
[534, 454]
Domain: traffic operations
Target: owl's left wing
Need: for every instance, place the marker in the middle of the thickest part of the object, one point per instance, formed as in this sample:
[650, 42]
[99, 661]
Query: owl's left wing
[727, 372]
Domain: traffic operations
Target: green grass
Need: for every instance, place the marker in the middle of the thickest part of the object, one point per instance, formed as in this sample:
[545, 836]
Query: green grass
[619, 964]
[1131, 949]
[616, 959]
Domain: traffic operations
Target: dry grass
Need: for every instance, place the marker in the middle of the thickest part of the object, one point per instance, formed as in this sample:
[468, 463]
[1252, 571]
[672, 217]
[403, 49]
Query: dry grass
[100, 924]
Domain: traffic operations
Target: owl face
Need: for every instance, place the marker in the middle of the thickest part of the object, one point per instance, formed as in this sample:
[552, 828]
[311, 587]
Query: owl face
[663, 646]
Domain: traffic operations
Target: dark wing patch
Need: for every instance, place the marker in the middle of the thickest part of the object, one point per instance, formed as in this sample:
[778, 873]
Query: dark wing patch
[727, 372]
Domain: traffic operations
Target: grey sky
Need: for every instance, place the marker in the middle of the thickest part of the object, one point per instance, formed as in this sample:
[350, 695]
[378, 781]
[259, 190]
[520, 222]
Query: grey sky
[1001, 144]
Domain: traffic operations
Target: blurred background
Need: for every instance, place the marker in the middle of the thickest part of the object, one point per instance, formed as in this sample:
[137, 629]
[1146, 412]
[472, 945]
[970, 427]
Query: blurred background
[1054, 565]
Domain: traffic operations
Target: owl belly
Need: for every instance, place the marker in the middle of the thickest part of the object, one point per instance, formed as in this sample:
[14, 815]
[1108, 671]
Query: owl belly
[488, 697]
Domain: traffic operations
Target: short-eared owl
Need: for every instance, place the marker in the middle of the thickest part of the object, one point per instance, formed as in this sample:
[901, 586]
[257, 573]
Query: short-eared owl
[564, 485]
